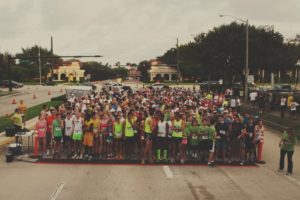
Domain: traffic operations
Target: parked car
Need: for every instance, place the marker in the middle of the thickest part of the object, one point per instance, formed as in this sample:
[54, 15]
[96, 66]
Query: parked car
[117, 86]
[94, 87]
[107, 85]
[281, 89]
[158, 86]
[14, 84]
[48, 82]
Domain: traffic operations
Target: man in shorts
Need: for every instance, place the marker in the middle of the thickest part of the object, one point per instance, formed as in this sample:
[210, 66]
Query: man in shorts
[77, 135]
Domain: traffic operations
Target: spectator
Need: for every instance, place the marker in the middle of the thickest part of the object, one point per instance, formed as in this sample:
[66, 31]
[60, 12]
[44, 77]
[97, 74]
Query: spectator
[282, 106]
[286, 144]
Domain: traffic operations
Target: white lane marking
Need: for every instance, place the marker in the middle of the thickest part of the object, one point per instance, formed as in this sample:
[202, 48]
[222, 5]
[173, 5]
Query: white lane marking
[293, 180]
[57, 190]
[168, 171]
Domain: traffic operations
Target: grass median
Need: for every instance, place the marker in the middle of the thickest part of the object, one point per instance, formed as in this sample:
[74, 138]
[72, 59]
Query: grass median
[32, 112]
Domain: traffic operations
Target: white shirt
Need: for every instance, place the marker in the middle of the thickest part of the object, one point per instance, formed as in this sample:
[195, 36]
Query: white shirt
[78, 123]
[253, 96]
[69, 126]
[162, 129]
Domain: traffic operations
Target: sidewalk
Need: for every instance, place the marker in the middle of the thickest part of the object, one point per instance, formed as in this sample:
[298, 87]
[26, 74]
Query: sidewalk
[6, 140]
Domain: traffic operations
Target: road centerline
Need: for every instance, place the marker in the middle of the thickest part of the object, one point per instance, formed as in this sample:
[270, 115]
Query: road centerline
[168, 171]
[57, 191]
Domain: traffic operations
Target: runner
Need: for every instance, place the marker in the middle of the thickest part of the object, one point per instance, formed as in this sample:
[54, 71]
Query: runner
[40, 128]
[78, 124]
[69, 129]
[177, 128]
[286, 144]
[161, 140]
[221, 138]
[118, 141]
[57, 134]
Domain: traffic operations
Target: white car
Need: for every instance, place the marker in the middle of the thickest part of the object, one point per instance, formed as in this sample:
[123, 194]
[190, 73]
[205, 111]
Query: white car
[158, 86]
[117, 86]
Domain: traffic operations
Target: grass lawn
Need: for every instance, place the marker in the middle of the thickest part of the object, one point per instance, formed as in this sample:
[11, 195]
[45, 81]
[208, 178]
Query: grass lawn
[31, 113]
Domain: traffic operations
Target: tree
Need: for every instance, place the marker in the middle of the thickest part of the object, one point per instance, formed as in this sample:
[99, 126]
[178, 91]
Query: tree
[220, 53]
[143, 67]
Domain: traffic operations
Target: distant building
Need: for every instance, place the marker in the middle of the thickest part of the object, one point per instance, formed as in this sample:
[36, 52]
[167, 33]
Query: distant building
[68, 72]
[134, 73]
[163, 72]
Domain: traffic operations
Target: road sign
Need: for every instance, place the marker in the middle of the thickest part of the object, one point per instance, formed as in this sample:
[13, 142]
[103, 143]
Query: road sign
[250, 79]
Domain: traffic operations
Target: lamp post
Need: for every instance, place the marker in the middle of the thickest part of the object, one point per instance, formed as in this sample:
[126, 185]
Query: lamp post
[247, 53]
[298, 72]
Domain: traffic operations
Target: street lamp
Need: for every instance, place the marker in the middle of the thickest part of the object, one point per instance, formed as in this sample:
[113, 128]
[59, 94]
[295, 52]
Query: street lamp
[298, 71]
[247, 53]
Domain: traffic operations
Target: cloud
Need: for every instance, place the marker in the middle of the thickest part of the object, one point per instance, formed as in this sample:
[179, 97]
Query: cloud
[130, 30]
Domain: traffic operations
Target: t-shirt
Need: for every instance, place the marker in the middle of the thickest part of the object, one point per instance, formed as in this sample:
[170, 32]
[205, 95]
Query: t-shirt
[250, 132]
[236, 130]
[193, 133]
[253, 96]
[49, 120]
[221, 130]
[68, 126]
[290, 100]
[283, 101]
[57, 131]
[203, 132]
[17, 119]
[288, 142]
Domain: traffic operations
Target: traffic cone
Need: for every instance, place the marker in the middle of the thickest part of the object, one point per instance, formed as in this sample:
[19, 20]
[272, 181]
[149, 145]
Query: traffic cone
[13, 101]
[49, 93]
[34, 97]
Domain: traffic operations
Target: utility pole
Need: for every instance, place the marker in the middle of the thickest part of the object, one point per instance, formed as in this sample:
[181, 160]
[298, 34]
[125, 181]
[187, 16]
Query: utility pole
[9, 72]
[177, 60]
[40, 69]
[247, 61]
[51, 74]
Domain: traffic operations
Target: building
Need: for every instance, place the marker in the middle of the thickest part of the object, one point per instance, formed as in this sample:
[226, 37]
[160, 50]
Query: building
[163, 72]
[68, 72]
[133, 73]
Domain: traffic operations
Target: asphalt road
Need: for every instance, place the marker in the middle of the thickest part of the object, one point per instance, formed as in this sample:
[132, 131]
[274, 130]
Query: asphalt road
[20, 180]
[26, 94]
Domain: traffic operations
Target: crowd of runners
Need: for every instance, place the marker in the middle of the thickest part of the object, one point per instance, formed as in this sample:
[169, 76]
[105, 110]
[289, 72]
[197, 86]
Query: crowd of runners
[167, 125]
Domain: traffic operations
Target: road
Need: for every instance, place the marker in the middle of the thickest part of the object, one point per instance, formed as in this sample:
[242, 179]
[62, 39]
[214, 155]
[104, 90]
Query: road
[26, 94]
[20, 180]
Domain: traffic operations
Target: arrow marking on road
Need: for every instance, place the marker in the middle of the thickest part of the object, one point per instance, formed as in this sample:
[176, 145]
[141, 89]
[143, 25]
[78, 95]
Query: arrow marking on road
[168, 171]
[57, 191]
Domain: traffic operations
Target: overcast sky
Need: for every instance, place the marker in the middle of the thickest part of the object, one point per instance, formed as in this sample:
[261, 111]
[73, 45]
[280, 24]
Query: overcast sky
[130, 30]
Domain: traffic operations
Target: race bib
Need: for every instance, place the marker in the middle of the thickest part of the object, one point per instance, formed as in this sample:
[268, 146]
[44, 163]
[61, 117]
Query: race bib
[204, 137]
[58, 128]
[222, 132]
[194, 137]
[42, 129]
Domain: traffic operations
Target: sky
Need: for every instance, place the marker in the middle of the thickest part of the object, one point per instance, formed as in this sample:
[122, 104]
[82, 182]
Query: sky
[130, 30]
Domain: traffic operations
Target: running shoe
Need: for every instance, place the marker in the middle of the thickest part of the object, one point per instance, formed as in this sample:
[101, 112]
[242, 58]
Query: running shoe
[75, 156]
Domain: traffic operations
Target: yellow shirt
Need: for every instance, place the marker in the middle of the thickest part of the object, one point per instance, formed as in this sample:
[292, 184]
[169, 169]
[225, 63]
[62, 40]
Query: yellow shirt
[17, 119]
[289, 101]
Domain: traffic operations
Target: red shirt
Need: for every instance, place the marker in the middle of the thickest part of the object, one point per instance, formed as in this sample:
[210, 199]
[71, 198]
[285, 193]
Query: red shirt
[49, 120]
